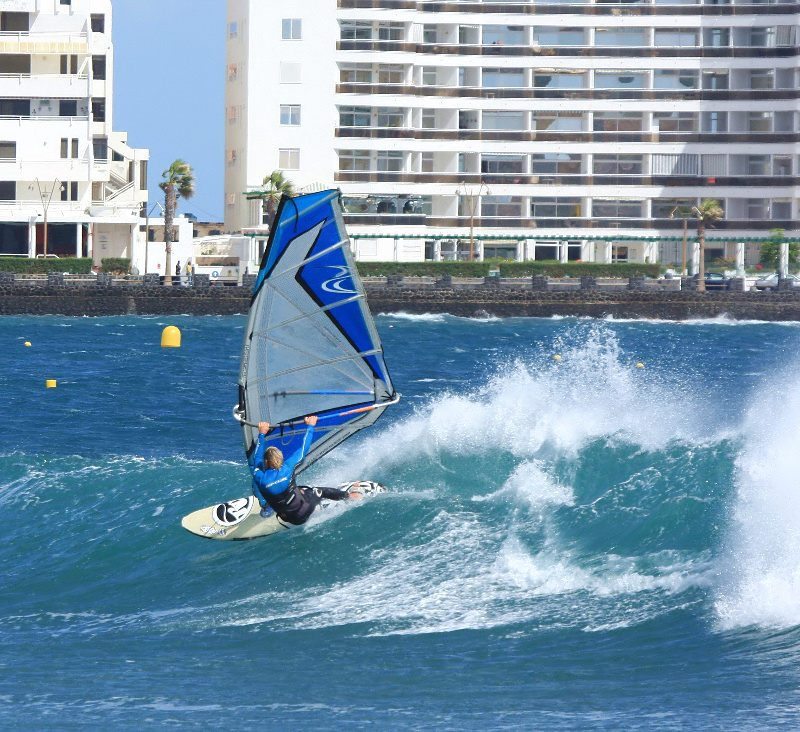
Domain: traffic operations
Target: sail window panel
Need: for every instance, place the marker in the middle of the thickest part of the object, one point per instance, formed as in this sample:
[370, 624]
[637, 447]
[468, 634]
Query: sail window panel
[503, 78]
[503, 164]
[560, 80]
[501, 120]
[617, 164]
[555, 37]
[627, 37]
[8, 150]
[558, 121]
[357, 160]
[620, 79]
[504, 35]
[676, 38]
[355, 116]
[681, 79]
[617, 122]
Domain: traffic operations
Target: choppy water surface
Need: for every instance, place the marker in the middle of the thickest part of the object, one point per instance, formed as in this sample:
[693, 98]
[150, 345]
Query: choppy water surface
[591, 525]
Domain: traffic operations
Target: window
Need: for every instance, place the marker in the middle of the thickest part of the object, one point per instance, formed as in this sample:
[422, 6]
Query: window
[560, 121]
[354, 30]
[290, 73]
[69, 148]
[354, 160]
[759, 121]
[498, 120]
[290, 114]
[618, 164]
[391, 74]
[14, 22]
[391, 117]
[98, 109]
[291, 29]
[100, 148]
[14, 63]
[97, 23]
[69, 64]
[8, 190]
[619, 80]
[497, 206]
[354, 117]
[681, 79]
[233, 72]
[8, 150]
[65, 2]
[559, 81]
[499, 164]
[503, 78]
[391, 31]
[99, 67]
[616, 209]
[356, 74]
[555, 208]
[555, 163]
[67, 107]
[390, 161]
[289, 158]
[69, 191]
[617, 122]
[675, 121]
[233, 29]
[620, 37]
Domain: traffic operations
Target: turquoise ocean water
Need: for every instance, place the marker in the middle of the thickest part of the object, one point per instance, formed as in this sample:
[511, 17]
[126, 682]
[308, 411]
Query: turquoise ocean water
[572, 543]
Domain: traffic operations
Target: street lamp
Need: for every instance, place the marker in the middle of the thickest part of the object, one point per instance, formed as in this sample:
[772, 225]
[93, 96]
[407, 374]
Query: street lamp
[472, 195]
[46, 197]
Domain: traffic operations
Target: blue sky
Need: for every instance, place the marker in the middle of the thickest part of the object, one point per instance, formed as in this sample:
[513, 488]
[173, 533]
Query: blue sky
[169, 91]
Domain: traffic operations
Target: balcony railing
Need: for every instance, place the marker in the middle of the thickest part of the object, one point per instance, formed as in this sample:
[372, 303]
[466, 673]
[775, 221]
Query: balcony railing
[464, 49]
[404, 133]
[563, 179]
[661, 95]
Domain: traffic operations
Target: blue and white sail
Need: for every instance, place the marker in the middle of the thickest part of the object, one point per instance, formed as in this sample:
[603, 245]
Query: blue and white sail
[310, 345]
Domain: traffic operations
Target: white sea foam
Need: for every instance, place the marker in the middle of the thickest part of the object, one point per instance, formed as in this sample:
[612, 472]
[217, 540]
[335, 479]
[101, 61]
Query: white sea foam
[760, 576]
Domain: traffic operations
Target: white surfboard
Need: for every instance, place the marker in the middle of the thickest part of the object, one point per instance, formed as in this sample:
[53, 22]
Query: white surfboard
[241, 518]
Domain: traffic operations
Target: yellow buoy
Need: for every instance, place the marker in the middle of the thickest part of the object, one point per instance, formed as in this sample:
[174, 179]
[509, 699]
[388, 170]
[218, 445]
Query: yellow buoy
[557, 357]
[170, 337]
[27, 344]
[51, 383]
[639, 365]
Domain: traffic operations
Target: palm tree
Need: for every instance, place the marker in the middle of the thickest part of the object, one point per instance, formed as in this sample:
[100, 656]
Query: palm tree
[274, 185]
[178, 183]
[707, 214]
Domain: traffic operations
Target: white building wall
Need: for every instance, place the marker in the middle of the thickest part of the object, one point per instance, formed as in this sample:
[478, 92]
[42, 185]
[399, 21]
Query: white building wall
[56, 133]
[538, 180]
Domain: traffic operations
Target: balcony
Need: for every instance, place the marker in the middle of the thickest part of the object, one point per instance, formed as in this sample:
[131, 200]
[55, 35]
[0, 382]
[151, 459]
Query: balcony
[43, 43]
[52, 86]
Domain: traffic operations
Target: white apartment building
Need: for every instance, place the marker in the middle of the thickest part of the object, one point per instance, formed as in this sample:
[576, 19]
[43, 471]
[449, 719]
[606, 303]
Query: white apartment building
[530, 129]
[69, 184]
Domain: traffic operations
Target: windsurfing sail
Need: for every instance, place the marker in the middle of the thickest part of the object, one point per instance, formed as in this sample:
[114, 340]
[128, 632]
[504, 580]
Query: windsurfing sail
[310, 345]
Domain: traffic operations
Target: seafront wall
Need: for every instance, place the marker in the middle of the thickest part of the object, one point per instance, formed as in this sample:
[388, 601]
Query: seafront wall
[538, 298]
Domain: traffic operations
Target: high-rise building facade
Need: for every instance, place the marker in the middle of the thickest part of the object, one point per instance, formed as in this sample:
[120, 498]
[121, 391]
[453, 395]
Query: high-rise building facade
[540, 129]
[69, 184]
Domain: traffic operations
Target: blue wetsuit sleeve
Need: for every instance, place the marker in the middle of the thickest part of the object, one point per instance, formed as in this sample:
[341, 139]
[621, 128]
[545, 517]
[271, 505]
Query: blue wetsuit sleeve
[255, 468]
[301, 452]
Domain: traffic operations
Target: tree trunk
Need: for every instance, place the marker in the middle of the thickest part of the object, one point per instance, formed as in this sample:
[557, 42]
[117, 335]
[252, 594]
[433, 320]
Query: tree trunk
[170, 201]
[701, 265]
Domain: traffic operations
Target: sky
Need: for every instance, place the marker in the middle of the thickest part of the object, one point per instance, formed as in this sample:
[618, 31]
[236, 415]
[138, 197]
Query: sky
[169, 92]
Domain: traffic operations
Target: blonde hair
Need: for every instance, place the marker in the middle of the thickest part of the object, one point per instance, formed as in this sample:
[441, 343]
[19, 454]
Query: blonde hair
[273, 458]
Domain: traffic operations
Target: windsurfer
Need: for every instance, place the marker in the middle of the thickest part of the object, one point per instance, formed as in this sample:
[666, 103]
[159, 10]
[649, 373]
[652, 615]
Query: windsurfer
[274, 484]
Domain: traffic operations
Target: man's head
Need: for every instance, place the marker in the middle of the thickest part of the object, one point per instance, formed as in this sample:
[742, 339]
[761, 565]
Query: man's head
[273, 458]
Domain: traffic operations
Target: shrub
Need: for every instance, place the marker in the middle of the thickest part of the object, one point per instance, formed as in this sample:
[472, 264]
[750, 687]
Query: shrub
[116, 265]
[507, 268]
[26, 265]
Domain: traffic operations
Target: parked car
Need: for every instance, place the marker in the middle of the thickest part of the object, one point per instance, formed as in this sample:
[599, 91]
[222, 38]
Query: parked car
[770, 282]
[715, 281]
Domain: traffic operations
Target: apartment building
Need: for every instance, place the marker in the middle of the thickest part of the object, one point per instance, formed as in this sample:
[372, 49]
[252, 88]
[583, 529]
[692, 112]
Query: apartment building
[69, 184]
[527, 129]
